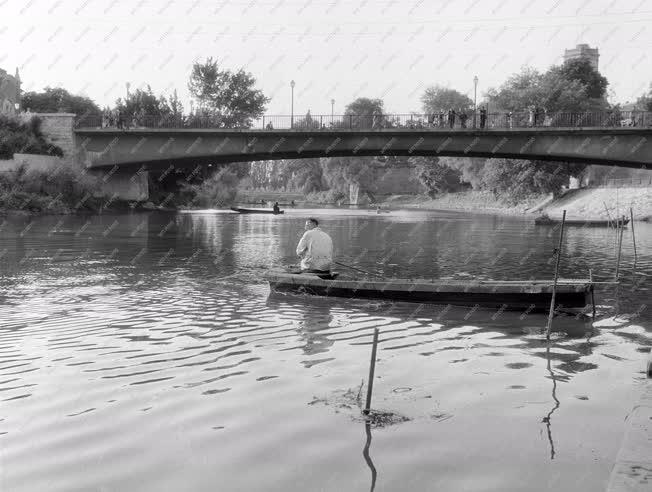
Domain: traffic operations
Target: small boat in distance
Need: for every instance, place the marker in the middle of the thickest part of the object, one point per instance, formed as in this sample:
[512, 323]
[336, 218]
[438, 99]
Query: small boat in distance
[256, 211]
[545, 220]
[525, 295]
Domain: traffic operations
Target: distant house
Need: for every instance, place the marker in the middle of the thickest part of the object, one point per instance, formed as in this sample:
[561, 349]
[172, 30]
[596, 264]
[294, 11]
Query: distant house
[9, 92]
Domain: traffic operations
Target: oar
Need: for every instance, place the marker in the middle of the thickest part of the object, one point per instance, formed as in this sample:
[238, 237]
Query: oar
[357, 269]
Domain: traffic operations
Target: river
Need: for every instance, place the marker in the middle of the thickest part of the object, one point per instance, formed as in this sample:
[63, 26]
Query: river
[144, 352]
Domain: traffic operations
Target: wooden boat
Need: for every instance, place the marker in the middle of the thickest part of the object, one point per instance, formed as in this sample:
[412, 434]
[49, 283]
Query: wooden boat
[526, 295]
[545, 220]
[256, 211]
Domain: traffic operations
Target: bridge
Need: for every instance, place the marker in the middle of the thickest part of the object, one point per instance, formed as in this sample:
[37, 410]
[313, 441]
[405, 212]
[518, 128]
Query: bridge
[157, 142]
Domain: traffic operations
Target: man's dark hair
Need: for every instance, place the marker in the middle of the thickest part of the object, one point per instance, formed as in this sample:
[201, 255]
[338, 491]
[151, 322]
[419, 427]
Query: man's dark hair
[314, 221]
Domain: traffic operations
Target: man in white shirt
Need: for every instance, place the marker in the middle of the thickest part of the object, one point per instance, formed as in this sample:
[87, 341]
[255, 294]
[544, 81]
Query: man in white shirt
[315, 248]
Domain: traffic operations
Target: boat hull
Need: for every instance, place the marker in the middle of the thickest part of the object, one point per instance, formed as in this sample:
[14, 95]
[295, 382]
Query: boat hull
[530, 296]
[579, 223]
[256, 211]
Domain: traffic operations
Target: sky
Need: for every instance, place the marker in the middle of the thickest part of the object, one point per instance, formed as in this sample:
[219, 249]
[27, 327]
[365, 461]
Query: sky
[332, 49]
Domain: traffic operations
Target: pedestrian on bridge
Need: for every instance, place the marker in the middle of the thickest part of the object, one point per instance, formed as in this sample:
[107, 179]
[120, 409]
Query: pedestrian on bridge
[463, 118]
[451, 118]
[483, 116]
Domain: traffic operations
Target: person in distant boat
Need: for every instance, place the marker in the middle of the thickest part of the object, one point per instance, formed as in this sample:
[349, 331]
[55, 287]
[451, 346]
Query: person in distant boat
[293, 204]
[276, 208]
[315, 249]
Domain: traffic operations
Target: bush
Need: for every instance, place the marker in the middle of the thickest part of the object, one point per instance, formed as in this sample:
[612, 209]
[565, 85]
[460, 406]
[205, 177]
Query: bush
[17, 136]
[63, 189]
[220, 190]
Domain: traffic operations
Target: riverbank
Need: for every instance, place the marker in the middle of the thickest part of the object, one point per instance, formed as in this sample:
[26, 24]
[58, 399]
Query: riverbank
[467, 201]
[588, 203]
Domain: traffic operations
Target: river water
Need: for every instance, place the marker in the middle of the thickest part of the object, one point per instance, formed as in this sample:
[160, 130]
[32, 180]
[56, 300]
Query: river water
[143, 352]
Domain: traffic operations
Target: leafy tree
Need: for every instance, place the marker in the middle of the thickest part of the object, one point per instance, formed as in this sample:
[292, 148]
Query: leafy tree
[218, 190]
[470, 168]
[595, 84]
[571, 87]
[228, 97]
[517, 179]
[175, 105]
[17, 136]
[644, 103]
[365, 113]
[436, 177]
[142, 103]
[58, 100]
[437, 97]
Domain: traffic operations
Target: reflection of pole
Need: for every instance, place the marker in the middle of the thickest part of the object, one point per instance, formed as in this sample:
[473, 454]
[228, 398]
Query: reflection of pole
[372, 369]
[554, 284]
[620, 245]
[547, 418]
[367, 456]
[631, 222]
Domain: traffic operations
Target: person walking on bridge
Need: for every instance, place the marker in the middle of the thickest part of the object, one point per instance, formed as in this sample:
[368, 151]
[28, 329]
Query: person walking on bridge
[315, 249]
[483, 117]
[451, 118]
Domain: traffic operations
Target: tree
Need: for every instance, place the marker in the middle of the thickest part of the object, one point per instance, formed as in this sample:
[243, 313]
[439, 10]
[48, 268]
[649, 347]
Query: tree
[142, 103]
[595, 84]
[570, 88]
[644, 103]
[17, 136]
[365, 112]
[58, 100]
[471, 168]
[229, 97]
[218, 190]
[517, 179]
[436, 177]
[437, 98]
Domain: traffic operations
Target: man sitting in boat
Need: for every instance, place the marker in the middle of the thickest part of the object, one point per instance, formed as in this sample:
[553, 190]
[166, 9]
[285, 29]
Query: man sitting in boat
[315, 249]
[276, 208]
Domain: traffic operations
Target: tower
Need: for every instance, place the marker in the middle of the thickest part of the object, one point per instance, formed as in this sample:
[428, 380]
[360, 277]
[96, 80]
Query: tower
[583, 51]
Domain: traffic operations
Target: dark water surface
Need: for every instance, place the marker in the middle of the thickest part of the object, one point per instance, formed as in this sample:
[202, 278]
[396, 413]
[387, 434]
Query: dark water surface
[143, 352]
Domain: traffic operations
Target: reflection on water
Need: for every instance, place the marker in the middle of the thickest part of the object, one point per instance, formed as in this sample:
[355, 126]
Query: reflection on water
[144, 352]
[548, 418]
[367, 456]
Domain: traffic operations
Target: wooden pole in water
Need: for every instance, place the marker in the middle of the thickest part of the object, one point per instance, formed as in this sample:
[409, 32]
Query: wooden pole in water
[554, 284]
[620, 245]
[592, 293]
[372, 369]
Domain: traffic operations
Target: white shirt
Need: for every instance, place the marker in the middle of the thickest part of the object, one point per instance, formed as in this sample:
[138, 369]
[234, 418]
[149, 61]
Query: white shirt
[316, 250]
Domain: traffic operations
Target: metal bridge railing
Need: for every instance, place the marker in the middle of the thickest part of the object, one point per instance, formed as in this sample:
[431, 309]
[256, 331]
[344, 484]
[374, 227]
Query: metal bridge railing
[408, 121]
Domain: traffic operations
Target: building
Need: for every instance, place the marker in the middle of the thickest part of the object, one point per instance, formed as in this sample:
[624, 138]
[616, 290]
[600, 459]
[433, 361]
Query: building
[9, 92]
[583, 51]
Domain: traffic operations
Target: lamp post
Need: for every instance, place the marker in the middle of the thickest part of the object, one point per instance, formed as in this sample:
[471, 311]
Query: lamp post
[332, 106]
[292, 106]
[475, 100]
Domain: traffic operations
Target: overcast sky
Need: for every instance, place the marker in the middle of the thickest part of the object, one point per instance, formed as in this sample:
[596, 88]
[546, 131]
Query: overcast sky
[343, 49]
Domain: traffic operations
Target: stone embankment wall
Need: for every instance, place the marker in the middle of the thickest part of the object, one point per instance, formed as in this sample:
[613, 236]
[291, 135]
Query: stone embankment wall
[589, 203]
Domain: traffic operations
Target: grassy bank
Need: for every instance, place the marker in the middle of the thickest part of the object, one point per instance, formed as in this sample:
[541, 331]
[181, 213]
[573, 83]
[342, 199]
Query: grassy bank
[66, 189]
[469, 201]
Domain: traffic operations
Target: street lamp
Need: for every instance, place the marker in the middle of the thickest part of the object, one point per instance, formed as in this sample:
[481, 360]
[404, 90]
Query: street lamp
[292, 107]
[332, 105]
[475, 100]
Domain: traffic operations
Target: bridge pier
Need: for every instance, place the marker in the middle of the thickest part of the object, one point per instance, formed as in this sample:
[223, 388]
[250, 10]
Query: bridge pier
[125, 184]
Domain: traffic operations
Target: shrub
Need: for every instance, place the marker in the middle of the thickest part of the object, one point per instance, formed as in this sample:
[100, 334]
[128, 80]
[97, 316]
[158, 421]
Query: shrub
[17, 136]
